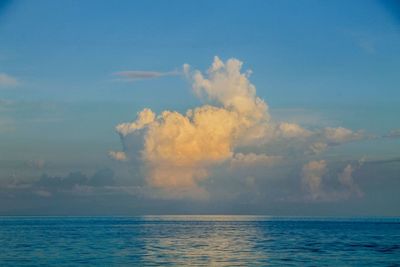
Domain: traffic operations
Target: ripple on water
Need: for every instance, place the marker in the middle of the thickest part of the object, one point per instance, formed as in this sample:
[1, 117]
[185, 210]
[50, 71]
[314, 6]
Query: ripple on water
[198, 240]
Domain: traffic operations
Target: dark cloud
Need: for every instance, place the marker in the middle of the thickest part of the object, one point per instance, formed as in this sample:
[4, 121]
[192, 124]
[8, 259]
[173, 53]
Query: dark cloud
[101, 178]
[385, 161]
[73, 183]
[274, 190]
[133, 75]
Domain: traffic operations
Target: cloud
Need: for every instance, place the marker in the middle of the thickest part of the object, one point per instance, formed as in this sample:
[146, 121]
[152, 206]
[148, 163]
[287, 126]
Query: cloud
[384, 161]
[295, 138]
[240, 160]
[179, 149]
[312, 177]
[318, 147]
[178, 152]
[341, 135]
[7, 80]
[103, 182]
[134, 75]
[393, 134]
[74, 181]
[292, 130]
[118, 155]
[333, 185]
[346, 179]
[37, 163]
[320, 140]
[145, 117]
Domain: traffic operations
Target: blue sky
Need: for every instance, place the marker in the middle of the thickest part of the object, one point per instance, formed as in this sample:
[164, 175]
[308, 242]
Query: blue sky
[315, 63]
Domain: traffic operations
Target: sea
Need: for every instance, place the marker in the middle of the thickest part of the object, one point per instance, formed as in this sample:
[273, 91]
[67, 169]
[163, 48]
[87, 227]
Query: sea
[206, 240]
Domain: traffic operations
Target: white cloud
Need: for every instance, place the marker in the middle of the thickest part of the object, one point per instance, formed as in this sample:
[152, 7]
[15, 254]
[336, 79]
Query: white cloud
[312, 177]
[144, 118]
[341, 135]
[179, 149]
[346, 179]
[292, 130]
[320, 140]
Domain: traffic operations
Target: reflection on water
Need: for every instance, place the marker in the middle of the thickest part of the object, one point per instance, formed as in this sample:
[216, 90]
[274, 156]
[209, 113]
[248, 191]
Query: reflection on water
[211, 240]
[198, 240]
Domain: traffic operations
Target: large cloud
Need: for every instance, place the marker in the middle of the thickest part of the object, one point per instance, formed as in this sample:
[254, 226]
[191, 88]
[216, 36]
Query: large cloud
[180, 148]
[180, 151]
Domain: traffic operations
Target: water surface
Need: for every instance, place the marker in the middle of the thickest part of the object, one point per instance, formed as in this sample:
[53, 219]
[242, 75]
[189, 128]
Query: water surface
[199, 240]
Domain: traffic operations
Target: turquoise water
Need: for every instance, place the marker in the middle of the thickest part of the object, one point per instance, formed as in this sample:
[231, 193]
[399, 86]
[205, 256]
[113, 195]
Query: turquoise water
[199, 240]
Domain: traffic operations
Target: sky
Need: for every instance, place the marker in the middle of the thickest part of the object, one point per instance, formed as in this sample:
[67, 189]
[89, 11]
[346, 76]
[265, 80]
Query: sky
[200, 107]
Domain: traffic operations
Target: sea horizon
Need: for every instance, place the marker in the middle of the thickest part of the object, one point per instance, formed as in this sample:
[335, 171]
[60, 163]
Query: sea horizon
[227, 216]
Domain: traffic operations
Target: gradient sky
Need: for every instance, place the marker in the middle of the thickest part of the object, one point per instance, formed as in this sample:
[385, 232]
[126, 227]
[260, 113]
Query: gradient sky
[71, 71]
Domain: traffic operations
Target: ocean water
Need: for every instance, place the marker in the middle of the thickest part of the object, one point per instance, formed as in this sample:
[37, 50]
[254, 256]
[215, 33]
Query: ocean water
[199, 240]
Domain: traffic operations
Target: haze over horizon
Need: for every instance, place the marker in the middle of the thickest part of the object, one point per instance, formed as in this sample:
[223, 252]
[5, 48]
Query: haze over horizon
[273, 107]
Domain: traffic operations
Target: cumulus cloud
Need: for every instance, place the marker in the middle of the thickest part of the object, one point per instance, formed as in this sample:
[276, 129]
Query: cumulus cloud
[145, 117]
[7, 80]
[320, 140]
[292, 130]
[309, 141]
[346, 179]
[334, 185]
[341, 135]
[312, 177]
[134, 75]
[179, 149]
